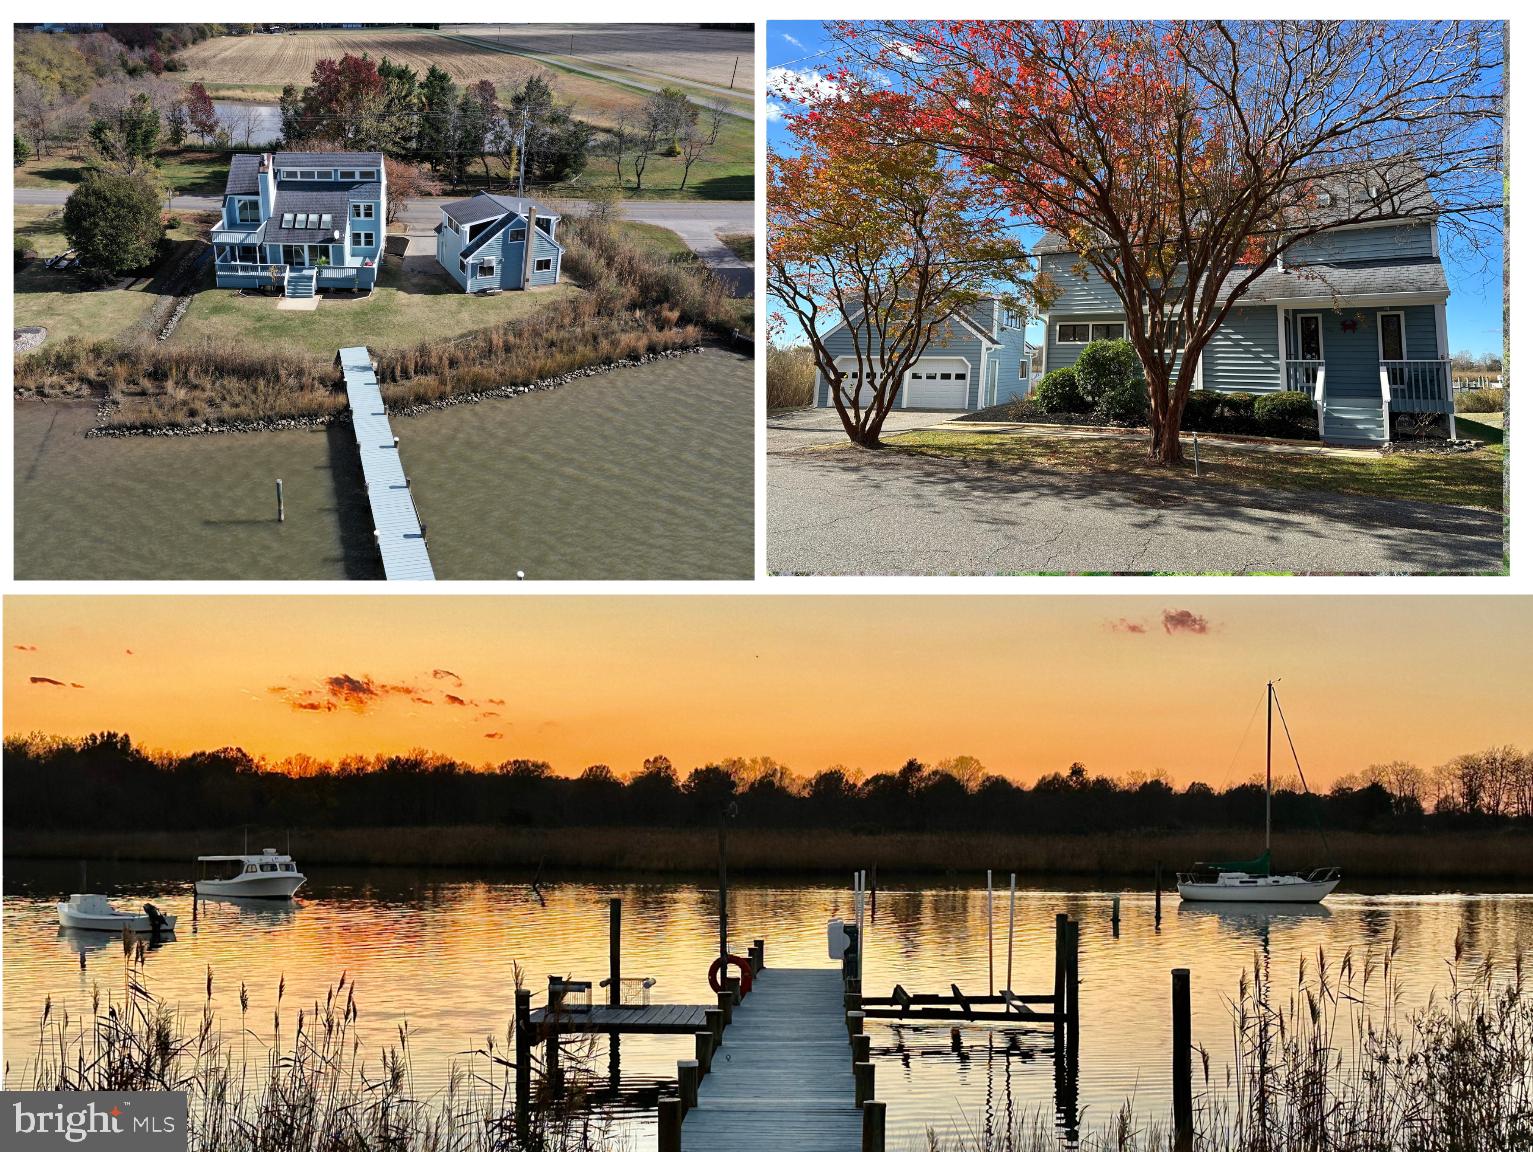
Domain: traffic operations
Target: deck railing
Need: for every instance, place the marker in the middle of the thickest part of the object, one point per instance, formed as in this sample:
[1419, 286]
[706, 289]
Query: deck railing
[1416, 385]
[239, 268]
[1304, 376]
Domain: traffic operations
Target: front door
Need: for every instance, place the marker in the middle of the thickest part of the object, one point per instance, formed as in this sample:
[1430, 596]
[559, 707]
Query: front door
[1311, 347]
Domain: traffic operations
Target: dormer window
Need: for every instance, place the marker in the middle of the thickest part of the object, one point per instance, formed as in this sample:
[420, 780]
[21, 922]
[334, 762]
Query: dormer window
[518, 234]
[368, 174]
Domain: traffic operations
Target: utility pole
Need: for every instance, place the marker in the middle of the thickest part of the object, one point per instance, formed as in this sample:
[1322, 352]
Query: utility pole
[735, 72]
[521, 160]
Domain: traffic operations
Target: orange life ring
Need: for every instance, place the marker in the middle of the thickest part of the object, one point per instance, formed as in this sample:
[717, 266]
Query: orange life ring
[716, 973]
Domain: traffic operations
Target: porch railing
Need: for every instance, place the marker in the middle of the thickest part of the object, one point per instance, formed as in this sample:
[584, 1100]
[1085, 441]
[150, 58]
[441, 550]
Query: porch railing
[1416, 385]
[240, 268]
[1305, 376]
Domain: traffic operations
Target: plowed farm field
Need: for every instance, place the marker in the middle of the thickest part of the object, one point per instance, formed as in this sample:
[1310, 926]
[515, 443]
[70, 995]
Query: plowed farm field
[667, 51]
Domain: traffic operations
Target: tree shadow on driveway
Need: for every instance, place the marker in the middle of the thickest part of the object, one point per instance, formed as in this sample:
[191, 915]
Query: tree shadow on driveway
[845, 511]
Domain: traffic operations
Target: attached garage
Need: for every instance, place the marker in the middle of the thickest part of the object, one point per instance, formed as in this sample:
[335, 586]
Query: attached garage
[938, 382]
[852, 376]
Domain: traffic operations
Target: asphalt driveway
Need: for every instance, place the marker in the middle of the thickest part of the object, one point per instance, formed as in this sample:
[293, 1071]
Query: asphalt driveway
[836, 511]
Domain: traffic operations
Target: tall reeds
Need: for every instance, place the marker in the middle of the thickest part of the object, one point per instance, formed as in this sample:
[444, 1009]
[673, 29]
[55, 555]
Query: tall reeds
[302, 1084]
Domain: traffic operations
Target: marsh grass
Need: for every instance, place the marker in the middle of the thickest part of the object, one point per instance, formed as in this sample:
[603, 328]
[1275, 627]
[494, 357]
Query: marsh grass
[300, 1082]
[636, 303]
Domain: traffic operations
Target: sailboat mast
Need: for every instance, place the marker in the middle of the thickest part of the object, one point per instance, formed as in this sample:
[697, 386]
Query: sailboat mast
[1269, 766]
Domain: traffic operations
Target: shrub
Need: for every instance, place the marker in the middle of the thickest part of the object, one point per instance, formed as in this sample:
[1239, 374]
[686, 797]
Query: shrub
[23, 253]
[1285, 413]
[1481, 400]
[1125, 402]
[1104, 366]
[1059, 392]
[114, 222]
[1203, 411]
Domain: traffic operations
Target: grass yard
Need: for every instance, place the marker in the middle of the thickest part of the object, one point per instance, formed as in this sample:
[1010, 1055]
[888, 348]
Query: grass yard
[742, 244]
[1473, 480]
[405, 309]
[189, 171]
[57, 300]
[1485, 426]
[655, 239]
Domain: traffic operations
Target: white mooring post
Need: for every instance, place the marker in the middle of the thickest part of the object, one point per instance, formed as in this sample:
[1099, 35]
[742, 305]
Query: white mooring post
[990, 925]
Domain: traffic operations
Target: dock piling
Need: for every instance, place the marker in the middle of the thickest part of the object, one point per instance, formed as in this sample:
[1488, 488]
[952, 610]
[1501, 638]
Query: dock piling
[704, 1043]
[615, 952]
[1073, 984]
[854, 1024]
[687, 1076]
[1157, 897]
[1115, 901]
[732, 983]
[862, 1076]
[523, 1060]
[281, 509]
[670, 1124]
[726, 1006]
[714, 1017]
[1061, 923]
[873, 1126]
[862, 1049]
[1181, 1057]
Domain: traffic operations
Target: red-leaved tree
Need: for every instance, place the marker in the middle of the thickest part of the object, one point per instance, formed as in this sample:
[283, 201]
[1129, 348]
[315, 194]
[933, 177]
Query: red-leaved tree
[1180, 160]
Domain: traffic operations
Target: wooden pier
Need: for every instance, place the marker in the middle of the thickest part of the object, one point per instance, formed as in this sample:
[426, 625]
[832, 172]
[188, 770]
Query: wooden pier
[396, 523]
[783, 1079]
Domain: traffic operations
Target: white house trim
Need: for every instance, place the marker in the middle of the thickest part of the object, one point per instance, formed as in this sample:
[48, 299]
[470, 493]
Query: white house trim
[1442, 354]
[1405, 351]
[1331, 303]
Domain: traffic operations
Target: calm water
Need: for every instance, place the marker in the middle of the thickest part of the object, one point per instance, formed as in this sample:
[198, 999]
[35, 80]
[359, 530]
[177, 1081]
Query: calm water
[644, 473]
[438, 949]
[264, 122]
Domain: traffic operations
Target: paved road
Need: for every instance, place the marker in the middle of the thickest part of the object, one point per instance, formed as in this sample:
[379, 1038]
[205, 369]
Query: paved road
[843, 511]
[698, 222]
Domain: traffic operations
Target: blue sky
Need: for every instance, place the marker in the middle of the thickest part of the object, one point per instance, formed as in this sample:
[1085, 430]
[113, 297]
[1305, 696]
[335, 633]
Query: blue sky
[1474, 279]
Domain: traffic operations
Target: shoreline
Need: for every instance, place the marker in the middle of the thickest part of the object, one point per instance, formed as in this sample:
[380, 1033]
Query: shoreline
[288, 423]
[1494, 857]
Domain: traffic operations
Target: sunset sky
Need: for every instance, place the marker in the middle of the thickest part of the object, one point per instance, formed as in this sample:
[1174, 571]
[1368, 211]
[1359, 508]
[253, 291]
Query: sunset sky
[1026, 684]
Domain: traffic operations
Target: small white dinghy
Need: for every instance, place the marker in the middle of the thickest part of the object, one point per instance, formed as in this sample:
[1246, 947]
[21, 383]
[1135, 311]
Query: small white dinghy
[93, 911]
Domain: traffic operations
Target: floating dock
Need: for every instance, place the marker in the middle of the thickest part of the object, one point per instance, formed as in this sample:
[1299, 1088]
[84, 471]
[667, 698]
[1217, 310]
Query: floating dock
[396, 523]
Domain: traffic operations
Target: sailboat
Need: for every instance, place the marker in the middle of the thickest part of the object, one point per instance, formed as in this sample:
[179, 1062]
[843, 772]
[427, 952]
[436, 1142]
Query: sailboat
[1253, 881]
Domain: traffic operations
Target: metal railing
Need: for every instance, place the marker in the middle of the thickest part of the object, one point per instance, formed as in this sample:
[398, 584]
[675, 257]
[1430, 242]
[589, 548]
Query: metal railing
[1416, 385]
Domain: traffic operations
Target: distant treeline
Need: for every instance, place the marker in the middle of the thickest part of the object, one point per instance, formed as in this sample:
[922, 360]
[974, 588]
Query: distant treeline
[105, 781]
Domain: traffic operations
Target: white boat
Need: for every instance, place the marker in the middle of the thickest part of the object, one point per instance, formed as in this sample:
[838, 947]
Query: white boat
[269, 876]
[1253, 881]
[95, 912]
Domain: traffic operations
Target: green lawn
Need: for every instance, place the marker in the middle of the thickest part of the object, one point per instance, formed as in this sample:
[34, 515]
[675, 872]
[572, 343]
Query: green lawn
[58, 301]
[1486, 426]
[405, 309]
[1473, 480]
[652, 238]
[742, 244]
[189, 171]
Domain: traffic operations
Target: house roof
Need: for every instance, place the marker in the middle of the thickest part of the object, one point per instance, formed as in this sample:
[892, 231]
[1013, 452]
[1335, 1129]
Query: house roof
[304, 204]
[329, 159]
[1321, 282]
[1341, 196]
[243, 175]
[484, 206]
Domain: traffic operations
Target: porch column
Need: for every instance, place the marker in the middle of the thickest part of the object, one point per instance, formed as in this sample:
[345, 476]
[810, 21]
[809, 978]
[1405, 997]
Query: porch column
[1441, 311]
[1282, 338]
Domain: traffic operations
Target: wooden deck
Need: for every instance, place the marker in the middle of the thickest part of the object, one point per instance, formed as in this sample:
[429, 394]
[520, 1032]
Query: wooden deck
[401, 538]
[661, 1019]
[783, 1078]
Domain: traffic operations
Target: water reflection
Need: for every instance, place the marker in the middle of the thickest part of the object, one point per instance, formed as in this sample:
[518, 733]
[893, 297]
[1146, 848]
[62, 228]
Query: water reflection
[437, 949]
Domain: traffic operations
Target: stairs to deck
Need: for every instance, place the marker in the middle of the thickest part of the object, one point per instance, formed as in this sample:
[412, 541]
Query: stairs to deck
[1355, 420]
[300, 284]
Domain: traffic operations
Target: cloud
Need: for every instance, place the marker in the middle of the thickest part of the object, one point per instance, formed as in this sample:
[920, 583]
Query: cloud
[422, 700]
[774, 111]
[493, 700]
[50, 682]
[129, 651]
[489, 715]
[1181, 620]
[794, 41]
[1123, 624]
[796, 85]
[456, 700]
[444, 674]
[494, 735]
[25, 647]
[332, 693]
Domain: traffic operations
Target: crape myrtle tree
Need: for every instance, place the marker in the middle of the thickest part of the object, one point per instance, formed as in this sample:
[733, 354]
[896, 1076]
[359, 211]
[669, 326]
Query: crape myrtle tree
[1181, 160]
[878, 234]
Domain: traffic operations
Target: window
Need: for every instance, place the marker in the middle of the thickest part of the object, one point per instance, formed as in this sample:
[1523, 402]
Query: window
[361, 239]
[452, 225]
[1391, 335]
[1311, 345]
[1074, 333]
[348, 173]
[247, 211]
[324, 220]
[368, 174]
[544, 264]
[518, 234]
[960, 375]
[287, 219]
[946, 376]
[289, 174]
[546, 224]
[361, 211]
[486, 268]
[1107, 331]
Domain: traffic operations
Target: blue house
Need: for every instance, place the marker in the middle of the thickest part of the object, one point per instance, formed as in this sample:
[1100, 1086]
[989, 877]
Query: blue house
[977, 357]
[1353, 317]
[302, 222]
[482, 243]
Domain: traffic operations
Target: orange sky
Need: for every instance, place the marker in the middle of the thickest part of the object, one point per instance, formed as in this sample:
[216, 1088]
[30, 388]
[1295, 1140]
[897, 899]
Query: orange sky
[1025, 683]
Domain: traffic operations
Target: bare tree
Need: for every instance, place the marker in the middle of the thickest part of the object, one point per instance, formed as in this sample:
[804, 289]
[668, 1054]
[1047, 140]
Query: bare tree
[693, 144]
[38, 107]
[717, 111]
[651, 127]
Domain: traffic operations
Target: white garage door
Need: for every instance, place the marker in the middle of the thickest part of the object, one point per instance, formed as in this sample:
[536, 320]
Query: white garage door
[937, 382]
[854, 379]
